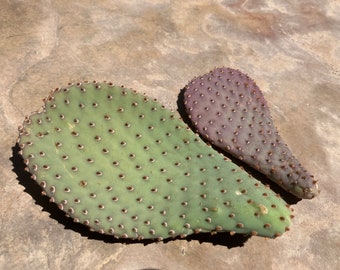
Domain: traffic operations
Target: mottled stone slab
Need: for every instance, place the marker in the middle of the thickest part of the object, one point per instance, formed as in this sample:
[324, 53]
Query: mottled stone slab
[292, 51]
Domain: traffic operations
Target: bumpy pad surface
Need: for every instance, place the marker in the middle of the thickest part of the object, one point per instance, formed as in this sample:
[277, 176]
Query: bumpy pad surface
[228, 109]
[124, 165]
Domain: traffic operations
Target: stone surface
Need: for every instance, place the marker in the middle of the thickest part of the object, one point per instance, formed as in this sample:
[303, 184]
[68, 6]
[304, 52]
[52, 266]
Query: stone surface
[290, 49]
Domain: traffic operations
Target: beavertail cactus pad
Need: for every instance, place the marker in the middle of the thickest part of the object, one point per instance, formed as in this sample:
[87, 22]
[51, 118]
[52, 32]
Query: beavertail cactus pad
[124, 165]
[228, 109]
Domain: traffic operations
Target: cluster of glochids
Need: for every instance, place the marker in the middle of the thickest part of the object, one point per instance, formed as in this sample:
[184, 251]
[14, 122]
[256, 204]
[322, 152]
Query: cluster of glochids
[124, 165]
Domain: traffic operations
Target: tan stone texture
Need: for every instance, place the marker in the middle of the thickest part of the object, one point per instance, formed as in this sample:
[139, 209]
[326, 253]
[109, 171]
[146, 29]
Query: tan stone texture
[291, 49]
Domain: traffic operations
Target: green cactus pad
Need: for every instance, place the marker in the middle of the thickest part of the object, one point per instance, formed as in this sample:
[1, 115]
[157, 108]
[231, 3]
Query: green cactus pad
[124, 165]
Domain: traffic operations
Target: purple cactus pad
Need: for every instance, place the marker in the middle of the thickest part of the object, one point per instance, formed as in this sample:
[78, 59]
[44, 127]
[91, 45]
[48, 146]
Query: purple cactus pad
[228, 109]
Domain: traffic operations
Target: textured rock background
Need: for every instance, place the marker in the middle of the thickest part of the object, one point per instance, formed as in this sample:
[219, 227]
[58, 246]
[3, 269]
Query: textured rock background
[291, 49]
